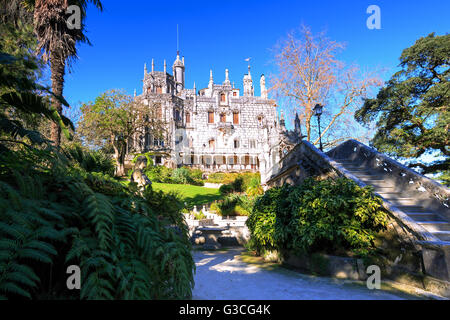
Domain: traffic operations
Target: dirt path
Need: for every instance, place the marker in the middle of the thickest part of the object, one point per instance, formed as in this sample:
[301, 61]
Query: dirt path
[226, 275]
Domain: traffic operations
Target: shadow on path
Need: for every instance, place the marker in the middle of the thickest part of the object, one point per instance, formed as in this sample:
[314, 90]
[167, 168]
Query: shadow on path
[224, 275]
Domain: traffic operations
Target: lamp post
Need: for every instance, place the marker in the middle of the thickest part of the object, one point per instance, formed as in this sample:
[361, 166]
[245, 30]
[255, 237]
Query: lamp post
[318, 112]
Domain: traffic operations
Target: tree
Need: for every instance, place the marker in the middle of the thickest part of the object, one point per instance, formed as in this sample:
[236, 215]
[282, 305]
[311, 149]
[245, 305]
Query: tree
[310, 73]
[412, 110]
[114, 119]
[24, 103]
[58, 42]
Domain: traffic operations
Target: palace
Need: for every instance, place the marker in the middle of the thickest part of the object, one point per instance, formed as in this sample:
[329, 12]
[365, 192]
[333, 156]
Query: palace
[217, 128]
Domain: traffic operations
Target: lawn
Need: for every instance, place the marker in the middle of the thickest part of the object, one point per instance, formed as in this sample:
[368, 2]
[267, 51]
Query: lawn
[192, 195]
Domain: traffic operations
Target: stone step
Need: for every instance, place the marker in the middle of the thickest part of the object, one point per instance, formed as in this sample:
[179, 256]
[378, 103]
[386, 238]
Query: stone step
[390, 195]
[433, 226]
[412, 208]
[344, 160]
[442, 235]
[404, 201]
[379, 188]
[424, 216]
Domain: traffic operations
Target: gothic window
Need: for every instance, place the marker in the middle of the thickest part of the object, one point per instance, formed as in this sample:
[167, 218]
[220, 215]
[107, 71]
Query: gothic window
[188, 117]
[158, 89]
[177, 115]
[223, 117]
[222, 97]
[236, 144]
[234, 94]
[252, 144]
[235, 159]
[260, 120]
[210, 117]
[247, 160]
[211, 143]
[235, 117]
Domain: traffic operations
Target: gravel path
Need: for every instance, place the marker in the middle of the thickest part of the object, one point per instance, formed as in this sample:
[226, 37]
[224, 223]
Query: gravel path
[223, 275]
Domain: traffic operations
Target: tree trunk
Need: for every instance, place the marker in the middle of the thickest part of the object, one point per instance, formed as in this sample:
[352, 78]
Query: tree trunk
[57, 68]
[119, 152]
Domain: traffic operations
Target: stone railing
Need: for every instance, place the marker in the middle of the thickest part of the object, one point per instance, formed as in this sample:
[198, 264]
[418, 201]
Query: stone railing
[432, 194]
[305, 160]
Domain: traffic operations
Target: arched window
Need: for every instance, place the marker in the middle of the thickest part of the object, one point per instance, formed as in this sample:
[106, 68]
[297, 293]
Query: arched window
[211, 143]
[223, 117]
[188, 117]
[260, 120]
[222, 97]
[235, 117]
[210, 117]
[236, 143]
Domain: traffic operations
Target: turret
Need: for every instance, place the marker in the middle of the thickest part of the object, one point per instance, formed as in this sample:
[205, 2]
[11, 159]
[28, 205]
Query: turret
[262, 84]
[282, 122]
[227, 79]
[178, 73]
[211, 80]
[298, 126]
[248, 84]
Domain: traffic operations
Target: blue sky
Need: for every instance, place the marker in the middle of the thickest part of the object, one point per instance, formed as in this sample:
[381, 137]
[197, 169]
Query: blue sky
[221, 34]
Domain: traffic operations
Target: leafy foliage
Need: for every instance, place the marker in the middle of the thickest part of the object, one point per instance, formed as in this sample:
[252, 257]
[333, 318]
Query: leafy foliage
[411, 110]
[328, 215]
[90, 161]
[114, 118]
[233, 205]
[127, 246]
[183, 175]
[59, 209]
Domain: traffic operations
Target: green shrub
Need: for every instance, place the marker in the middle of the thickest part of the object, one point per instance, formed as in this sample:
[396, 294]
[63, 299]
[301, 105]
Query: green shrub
[159, 174]
[333, 216]
[233, 205]
[254, 187]
[181, 176]
[53, 215]
[199, 215]
[226, 189]
[90, 161]
[238, 184]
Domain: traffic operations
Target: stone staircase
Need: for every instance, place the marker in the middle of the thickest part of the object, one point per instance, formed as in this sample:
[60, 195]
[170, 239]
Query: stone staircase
[411, 204]
[419, 205]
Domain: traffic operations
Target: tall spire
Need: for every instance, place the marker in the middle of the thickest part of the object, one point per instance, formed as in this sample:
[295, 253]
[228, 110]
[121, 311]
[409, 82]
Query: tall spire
[282, 122]
[262, 84]
[145, 69]
[227, 78]
[211, 80]
[165, 66]
[178, 47]
[153, 65]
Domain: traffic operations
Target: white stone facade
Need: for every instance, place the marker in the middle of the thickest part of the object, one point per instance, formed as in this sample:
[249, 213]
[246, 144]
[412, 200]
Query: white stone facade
[215, 128]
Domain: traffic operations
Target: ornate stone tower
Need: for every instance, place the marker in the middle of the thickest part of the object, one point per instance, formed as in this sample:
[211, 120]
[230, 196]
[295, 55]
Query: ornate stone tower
[178, 73]
[248, 84]
[262, 84]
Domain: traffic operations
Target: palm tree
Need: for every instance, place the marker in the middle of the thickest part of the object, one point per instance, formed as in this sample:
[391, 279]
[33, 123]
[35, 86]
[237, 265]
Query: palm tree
[58, 43]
